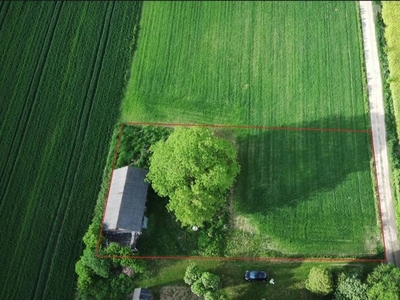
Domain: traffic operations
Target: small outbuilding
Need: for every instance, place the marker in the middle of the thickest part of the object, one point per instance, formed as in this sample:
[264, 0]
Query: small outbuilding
[142, 294]
[124, 217]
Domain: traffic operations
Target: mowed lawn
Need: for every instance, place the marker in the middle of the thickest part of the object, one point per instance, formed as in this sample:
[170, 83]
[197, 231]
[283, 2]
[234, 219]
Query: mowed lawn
[252, 63]
[301, 193]
[63, 70]
[304, 193]
[289, 278]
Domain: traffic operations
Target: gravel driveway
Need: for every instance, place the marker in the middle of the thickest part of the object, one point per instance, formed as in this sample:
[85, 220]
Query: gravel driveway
[377, 113]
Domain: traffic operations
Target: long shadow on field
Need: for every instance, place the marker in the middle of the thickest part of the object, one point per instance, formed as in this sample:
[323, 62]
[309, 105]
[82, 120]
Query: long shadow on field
[282, 168]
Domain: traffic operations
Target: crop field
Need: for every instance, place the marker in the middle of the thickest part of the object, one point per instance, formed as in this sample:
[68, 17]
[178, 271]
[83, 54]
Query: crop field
[248, 63]
[63, 71]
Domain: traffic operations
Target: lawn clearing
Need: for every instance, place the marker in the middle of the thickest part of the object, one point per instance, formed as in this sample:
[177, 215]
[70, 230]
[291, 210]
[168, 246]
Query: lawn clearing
[306, 193]
[63, 73]
[300, 193]
[248, 63]
[289, 278]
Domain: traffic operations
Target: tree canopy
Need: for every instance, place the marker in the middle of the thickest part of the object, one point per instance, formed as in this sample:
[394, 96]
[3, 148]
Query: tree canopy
[384, 283]
[194, 168]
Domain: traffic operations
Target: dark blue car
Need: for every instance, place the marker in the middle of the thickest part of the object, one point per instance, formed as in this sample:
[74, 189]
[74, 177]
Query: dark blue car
[256, 275]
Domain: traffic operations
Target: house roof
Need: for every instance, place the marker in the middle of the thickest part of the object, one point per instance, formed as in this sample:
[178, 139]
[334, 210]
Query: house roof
[126, 200]
[142, 294]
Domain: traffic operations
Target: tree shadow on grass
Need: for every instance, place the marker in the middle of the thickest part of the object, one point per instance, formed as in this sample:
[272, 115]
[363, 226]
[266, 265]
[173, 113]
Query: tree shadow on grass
[309, 189]
[164, 235]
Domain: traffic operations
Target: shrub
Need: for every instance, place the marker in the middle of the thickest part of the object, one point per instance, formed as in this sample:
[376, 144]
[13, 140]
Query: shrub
[198, 288]
[98, 266]
[202, 284]
[213, 296]
[320, 281]
[135, 144]
[212, 240]
[210, 281]
[192, 274]
[350, 287]
[84, 276]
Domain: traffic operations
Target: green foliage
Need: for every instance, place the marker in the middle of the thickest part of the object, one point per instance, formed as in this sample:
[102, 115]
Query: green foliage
[209, 295]
[202, 283]
[384, 283]
[386, 36]
[350, 288]
[114, 288]
[120, 287]
[84, 276]
[138, 265]
[212, 239]
[391, 16]
[192, 274]
[320, 281]
[210, 281]
[113, 249]
[198, 288]
[136, 142]
[194, 169]
[101, 278]
[118, 253]
[91, 236]
[98, 266]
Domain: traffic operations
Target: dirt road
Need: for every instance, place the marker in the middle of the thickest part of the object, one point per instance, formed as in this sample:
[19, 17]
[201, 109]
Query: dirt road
[377, 113]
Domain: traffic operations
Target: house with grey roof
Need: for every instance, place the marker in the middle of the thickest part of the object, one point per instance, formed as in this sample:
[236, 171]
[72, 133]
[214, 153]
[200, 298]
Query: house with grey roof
[124, 217]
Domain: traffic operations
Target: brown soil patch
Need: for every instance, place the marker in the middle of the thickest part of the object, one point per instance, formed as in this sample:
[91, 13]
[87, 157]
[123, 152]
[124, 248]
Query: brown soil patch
[177, 293]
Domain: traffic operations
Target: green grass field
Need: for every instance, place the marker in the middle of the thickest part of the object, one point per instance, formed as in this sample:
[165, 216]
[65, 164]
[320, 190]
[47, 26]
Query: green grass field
[63, 75]
[304, 193]
[252, 63]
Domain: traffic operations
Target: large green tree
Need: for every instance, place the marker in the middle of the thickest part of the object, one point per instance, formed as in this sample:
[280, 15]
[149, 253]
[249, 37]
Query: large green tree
[194, 168]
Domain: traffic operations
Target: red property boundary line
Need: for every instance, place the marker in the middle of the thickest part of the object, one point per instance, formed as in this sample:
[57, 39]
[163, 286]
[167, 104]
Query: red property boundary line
[272, 259]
